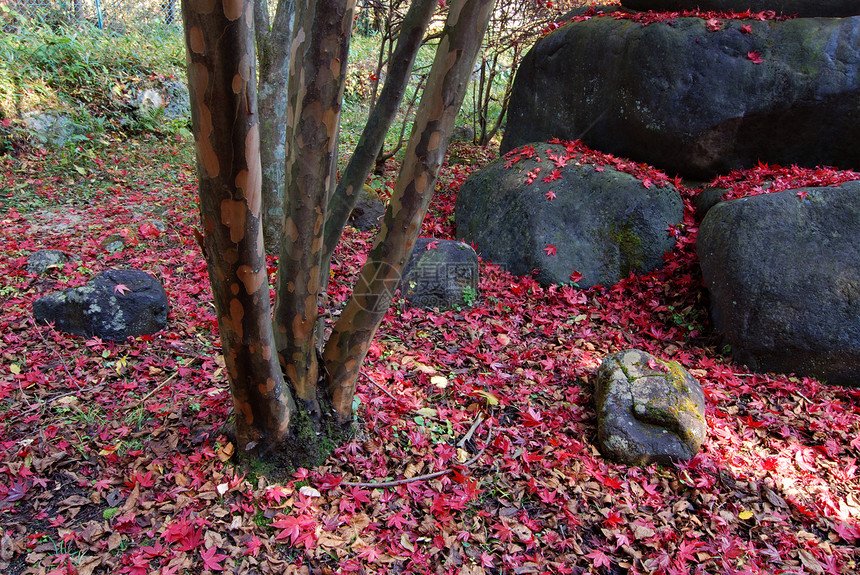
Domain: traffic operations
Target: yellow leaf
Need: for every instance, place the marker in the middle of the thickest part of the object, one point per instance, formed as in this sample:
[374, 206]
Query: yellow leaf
[491, 399]
[439, 381]
[15, 368]
[744, 515]
[426, 412]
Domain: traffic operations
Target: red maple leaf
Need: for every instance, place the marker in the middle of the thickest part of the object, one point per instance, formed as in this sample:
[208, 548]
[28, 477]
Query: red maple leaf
[550, 250]
[252, 546]
[755, 57]
[432, 245]
[121, 289]
[802, 194]
[746, 29]
[713, 24]
[550, 195]
[212, 559]
[531, 418]
[613, 520]
[148, 230]
[289, 526]
[598, 558]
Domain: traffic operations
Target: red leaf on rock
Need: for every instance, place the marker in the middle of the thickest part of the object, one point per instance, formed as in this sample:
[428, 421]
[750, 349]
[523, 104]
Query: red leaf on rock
[550, 250]
[755, 57]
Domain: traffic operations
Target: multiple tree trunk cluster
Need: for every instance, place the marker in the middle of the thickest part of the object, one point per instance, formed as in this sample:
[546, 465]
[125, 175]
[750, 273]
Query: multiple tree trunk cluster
[292, 392]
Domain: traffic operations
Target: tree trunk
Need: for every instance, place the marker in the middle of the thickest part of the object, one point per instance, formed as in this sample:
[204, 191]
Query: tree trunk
[458, 48]
[316, 82]
[273, 54]
[221, 80]
[373, 136]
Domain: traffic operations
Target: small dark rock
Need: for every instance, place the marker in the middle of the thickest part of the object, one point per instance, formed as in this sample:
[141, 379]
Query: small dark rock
[41, 261]
[707, 199]
[463, 133]
[368, 209]
[113, 305]
[440, 274]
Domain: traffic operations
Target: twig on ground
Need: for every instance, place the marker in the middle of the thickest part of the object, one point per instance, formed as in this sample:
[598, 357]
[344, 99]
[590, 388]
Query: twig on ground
[163, 383]
[426, 477]
[385, 391]
[471, 431]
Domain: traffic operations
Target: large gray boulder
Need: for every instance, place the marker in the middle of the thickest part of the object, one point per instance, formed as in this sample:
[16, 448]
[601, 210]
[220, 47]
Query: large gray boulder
[692, 101]
[113, 305]
[802, 8]
[440, 274]
[602, 224]
[648, 410]
[783, 272]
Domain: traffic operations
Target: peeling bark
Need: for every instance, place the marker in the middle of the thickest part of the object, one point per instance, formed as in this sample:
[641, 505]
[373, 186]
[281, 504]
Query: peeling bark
[446, 87]
[273, 54]
[221, 77]
[319, 54]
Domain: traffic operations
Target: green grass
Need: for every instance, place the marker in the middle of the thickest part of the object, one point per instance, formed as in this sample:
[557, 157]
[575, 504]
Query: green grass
[82, 70]
[89, 75]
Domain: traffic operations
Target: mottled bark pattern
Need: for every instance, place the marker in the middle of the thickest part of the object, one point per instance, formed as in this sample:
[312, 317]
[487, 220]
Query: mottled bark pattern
[446, 87]
[273, 55]
[318, 70]
[384, 111]
[220, 44]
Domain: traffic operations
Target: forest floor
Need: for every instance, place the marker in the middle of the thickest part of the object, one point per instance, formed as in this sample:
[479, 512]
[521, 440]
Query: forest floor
[111, 460]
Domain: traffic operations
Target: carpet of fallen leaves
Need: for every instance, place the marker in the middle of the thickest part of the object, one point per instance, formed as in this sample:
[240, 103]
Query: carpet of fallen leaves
[480, 420]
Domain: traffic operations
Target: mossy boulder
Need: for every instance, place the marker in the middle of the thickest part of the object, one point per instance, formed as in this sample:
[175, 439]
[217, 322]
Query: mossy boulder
[802, 8]
[598, 221]
[783, 272]
[695, 101]
[114, 305]
[648, 410]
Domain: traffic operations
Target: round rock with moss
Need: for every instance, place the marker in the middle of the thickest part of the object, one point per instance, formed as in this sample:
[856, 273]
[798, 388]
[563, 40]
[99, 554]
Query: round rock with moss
[648, 410]
[535, 215]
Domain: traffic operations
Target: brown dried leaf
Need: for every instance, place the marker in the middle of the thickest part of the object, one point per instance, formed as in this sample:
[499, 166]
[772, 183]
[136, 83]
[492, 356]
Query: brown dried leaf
[7, 548]
[88, 565]
[810, 562]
